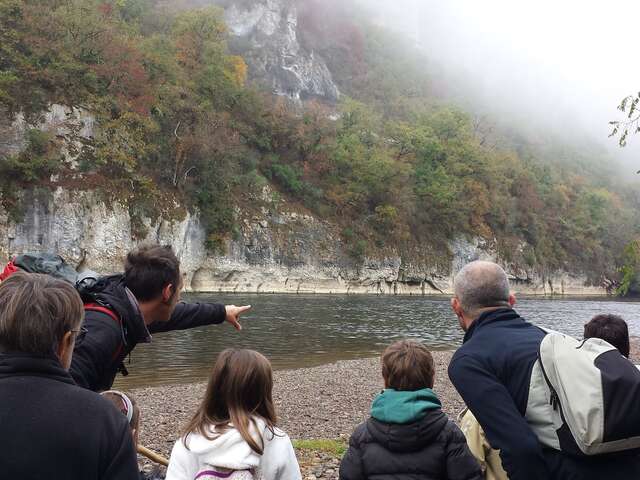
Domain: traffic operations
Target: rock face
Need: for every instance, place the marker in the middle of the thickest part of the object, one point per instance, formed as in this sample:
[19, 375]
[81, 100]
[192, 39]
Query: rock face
[285, 251]
[265, 33]
[63, 122]
[88, 233]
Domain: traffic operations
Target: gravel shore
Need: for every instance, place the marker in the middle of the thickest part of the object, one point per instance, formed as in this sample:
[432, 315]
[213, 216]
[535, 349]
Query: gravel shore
[320, 402]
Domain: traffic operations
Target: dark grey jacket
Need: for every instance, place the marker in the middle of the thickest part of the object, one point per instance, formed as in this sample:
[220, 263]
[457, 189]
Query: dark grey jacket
[432, 448]
[52, 429]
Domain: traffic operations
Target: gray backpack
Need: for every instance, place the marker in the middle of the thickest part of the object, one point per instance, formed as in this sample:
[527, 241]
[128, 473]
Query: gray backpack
[584, 397]
[47, 263]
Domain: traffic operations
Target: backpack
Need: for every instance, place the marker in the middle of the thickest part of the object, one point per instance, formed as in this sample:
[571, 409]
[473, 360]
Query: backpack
[584, 397]
[55, 265]
[47, 263]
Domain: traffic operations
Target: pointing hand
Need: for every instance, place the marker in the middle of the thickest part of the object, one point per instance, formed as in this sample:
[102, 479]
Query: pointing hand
[233, 314]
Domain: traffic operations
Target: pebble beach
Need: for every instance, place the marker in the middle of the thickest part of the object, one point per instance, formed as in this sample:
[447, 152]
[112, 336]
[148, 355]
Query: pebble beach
[325, 402]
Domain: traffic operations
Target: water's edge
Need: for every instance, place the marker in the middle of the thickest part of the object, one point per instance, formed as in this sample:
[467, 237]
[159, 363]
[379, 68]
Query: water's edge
[429, 294]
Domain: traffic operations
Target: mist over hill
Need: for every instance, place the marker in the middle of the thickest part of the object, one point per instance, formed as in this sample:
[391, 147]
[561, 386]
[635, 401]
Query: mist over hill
[344, 111]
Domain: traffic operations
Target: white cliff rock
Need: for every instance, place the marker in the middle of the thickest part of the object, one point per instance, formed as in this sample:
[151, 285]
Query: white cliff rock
[283, 252]
[266, 36]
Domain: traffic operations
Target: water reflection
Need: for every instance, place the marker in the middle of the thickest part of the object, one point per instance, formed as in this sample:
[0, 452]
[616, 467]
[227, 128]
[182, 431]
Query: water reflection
[306, 330]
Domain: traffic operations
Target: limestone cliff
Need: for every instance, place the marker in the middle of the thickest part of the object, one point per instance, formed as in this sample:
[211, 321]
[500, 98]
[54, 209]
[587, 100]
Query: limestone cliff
[283, 251]
[265, 33]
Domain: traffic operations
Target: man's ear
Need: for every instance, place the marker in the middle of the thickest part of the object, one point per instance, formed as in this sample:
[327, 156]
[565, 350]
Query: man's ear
[455, 306]
[65, 349]
[65, 344]
[512, 299]
[167, 293]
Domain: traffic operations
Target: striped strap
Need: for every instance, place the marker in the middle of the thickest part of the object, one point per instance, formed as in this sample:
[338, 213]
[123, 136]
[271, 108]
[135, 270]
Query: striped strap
[215, 473]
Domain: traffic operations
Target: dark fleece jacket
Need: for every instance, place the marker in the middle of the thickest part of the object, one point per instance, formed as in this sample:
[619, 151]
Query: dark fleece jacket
[492, 372]
[427, 445]
[97, 359]
[51, 428]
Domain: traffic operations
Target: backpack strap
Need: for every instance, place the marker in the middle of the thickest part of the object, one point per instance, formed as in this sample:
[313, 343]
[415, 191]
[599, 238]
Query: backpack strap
[95, 307]
[9, 270]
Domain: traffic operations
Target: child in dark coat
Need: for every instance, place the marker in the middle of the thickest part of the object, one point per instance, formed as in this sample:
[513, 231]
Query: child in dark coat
[408, 435]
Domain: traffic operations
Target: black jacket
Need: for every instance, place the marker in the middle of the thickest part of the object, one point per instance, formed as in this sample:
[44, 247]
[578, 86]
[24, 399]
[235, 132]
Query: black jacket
[432, 448]
[98, 358]
[492, 372]
[51, 428]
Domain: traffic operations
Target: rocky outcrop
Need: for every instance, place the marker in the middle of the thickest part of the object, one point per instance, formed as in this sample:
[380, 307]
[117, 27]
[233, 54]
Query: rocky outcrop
[88, 233]
[265, 33]
[274, 251]
[66, 124]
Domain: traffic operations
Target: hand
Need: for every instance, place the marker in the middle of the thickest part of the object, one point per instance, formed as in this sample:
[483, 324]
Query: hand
[233, 315]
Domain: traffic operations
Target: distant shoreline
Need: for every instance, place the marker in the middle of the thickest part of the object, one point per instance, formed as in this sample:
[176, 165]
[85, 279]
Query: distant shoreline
[404, 294]
[566, 296]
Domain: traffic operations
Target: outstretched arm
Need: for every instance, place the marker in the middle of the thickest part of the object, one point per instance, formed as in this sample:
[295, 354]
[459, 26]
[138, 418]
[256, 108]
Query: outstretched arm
[191, 315]
[505, 428]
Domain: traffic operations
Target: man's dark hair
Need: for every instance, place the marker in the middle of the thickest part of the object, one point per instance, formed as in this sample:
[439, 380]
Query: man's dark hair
[149, 269]
[610, 328]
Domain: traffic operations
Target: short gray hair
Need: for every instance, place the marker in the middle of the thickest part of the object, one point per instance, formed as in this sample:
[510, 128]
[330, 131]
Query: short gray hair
[481, 285]
[36, 311]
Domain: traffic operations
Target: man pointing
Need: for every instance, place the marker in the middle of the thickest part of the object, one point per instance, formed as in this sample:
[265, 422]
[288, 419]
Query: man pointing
[125, 309]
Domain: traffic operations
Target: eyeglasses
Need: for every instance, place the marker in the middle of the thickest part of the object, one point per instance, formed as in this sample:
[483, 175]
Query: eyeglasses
[80, 334]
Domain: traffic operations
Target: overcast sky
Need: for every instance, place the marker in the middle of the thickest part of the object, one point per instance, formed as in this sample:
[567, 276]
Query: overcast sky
[569, 61]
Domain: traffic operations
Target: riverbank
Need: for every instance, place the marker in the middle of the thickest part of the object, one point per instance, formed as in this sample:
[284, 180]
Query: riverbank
[325, 402]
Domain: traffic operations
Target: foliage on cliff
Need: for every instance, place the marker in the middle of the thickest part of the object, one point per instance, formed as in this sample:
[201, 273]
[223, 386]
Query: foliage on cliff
[167, 97]
[392, 164]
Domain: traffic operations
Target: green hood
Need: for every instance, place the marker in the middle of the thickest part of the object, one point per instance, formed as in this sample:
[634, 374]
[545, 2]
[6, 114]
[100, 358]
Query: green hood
[392, 406]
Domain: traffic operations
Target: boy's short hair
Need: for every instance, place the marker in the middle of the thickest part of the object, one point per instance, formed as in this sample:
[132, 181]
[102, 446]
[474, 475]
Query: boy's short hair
[149, 269]
[610, 328]
[407, 366]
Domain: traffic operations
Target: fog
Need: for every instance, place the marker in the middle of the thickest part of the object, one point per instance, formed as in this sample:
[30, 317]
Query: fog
[563, 65]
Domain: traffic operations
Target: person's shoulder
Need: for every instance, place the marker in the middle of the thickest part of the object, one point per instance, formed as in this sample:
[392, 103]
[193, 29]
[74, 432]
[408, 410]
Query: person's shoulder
[93, 405]
[464, 362]
[462, 351]
[451, 434]
[277, 444]
[462, 357]
[101, 323]
[452, 431]
[94, 415]
[360, 434]
[180, 447]
[274, 434]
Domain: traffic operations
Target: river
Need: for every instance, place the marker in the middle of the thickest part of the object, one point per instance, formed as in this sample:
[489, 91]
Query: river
[305, 330]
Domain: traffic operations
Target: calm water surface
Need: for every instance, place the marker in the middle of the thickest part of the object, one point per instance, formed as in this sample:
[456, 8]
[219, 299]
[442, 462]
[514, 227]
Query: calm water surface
[306, 330]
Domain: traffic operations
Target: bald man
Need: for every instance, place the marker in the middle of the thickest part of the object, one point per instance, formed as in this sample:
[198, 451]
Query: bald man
[492, 372]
